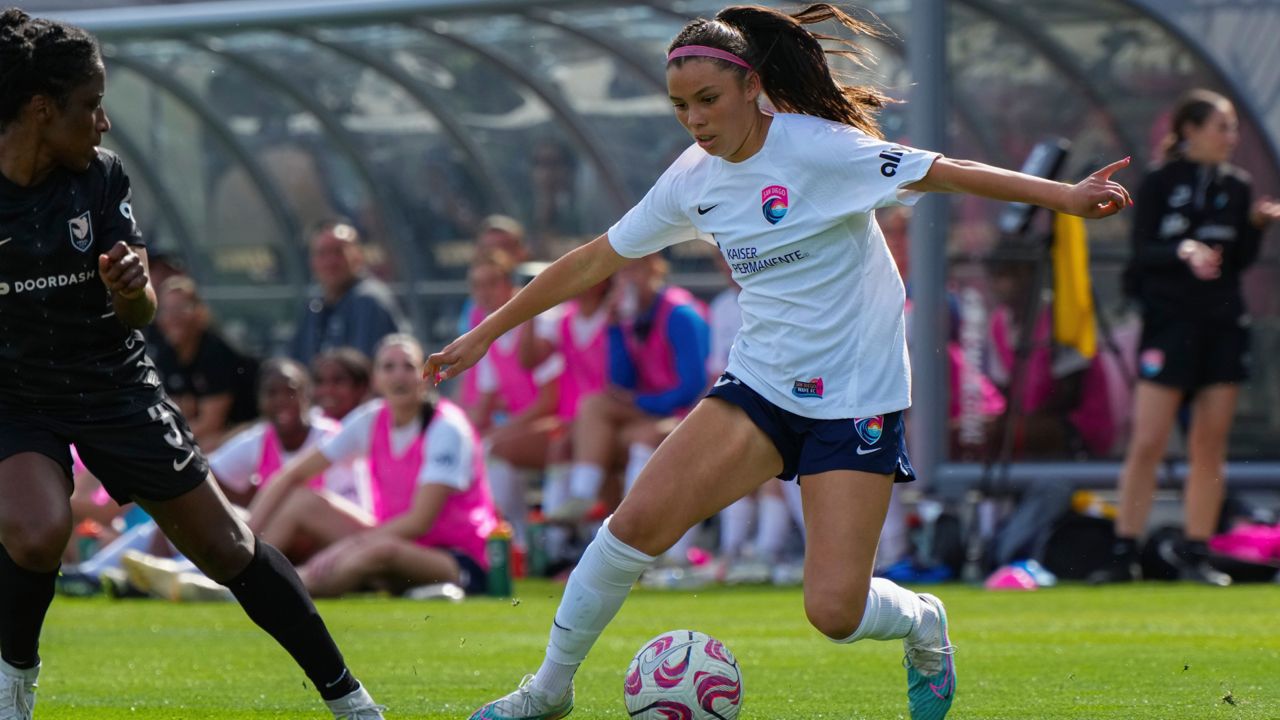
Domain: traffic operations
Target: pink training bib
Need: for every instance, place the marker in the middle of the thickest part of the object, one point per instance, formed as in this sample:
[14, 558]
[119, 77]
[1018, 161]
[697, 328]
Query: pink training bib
[467, 516]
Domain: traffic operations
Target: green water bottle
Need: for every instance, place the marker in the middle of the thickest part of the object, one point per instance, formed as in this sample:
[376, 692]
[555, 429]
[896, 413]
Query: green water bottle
[498, 551]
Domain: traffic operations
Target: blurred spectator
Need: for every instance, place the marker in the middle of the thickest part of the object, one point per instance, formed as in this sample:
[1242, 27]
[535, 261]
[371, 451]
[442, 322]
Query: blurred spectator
[500, 232]
[580, 338]
[342, 382]
[432, 512]
[1197, 229]
[209, 380]
[552, 184]
[658, 346]
[353, 308]
[516, 409]
[504, 235]
[288, 426]
[1065, 409]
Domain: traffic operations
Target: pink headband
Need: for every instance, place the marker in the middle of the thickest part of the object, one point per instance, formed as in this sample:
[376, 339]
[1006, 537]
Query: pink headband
[705, 51]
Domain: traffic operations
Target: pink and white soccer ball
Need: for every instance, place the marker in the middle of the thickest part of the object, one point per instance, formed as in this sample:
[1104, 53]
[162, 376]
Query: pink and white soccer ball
[683, 675]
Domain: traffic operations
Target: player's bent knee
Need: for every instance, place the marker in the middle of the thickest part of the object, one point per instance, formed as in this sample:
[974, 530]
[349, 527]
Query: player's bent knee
[38, 547]
[380, 553]
[639, 530]
[594, 407]
[831, 617]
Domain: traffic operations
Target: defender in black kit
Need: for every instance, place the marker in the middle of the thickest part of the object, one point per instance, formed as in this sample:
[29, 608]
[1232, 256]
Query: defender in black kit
[74, 292]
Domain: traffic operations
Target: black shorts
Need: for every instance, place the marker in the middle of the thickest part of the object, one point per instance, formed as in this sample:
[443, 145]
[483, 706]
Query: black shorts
[809, 446]
[1189, 352]
[148, 455]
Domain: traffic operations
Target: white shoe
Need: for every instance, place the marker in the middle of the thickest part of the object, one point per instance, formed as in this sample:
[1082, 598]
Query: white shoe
[436, 591]
[356, 705]
[572, 510]
[526, 704]
[169, 580]
[17, 692]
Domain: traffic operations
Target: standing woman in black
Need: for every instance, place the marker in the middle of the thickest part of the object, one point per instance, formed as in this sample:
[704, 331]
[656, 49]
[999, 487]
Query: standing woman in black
[74, 291]
[1196, 230]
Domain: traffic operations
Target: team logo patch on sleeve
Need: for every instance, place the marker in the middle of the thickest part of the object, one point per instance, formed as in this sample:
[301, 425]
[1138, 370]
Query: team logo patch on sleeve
[869, 428]
[81, 230]
[774, 199]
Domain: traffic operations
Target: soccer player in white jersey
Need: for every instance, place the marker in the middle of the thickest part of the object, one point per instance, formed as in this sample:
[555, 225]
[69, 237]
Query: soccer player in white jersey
[818, 376]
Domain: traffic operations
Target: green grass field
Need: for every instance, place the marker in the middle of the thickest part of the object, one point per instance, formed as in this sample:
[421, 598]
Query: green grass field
[1154, 651]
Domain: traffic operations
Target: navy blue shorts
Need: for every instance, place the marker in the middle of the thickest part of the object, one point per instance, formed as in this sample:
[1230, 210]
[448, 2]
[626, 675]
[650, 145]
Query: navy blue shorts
[809, 446]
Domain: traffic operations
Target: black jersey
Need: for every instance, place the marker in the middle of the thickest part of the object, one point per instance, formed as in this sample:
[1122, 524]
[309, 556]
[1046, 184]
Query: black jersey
[1184, 200]
[62, 349]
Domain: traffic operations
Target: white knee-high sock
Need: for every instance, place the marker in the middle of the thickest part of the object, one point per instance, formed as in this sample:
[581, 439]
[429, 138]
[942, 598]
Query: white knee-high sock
[507, 486]
[775, 526]
[585, 480]
[892, 612]
[735, 526]
[594, 594]
[639, 455]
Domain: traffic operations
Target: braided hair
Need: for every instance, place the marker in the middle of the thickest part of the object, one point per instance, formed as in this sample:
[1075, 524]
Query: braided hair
[41, 57]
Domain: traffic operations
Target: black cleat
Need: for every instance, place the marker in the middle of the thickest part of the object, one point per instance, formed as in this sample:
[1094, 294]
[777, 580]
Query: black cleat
[1118, 570]
[1192, 566]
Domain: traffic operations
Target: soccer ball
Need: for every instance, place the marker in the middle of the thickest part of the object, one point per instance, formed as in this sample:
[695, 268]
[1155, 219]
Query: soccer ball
[683, 675]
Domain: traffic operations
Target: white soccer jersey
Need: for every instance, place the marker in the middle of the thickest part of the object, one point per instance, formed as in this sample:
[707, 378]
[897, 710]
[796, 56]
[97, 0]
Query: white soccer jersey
[822, 303]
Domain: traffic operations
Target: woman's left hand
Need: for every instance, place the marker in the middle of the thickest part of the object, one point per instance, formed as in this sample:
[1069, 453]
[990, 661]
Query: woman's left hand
[1098, 195]
[1265, 211]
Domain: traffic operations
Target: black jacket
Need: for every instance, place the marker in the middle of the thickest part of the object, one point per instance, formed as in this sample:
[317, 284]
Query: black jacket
[1182, 200]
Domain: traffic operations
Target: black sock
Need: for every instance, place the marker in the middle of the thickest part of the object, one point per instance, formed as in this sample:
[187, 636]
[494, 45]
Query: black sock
[1193, 551]
[272, 595]
[24, 599]
[1125, 548]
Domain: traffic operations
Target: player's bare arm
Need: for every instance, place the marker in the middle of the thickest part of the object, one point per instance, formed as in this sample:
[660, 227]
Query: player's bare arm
[570, 275]
[1094, 197]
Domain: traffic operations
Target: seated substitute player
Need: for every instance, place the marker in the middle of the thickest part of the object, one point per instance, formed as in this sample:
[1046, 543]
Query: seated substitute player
[818, 377]
[73, 292]
[432, 511]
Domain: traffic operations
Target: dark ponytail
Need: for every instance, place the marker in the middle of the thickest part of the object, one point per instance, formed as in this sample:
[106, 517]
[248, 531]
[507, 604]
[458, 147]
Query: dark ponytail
[1194, 108]
[791, 60]
[41, 57]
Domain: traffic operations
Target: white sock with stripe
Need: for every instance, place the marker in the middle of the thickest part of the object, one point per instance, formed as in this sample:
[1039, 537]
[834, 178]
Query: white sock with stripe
[594, 594]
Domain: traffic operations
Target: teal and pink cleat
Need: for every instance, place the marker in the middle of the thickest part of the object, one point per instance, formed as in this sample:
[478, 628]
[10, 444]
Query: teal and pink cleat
[931, 668]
